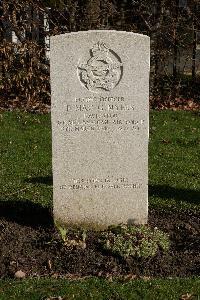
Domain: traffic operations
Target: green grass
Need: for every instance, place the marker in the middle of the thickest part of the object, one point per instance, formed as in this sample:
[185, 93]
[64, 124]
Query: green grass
[174, 160]
[101, 289]
[174, 183]
[25, 151]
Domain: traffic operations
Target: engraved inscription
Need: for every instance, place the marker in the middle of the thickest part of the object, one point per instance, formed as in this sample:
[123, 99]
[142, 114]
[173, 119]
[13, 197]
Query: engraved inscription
[102, 71]
[100, 114]
[95, 122]
[101, 183]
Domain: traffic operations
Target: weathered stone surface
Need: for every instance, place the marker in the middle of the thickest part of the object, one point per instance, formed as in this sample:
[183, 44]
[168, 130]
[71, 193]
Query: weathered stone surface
[100, 89]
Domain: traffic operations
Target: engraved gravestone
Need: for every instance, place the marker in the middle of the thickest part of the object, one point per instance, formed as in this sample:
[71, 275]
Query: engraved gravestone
[100, 89]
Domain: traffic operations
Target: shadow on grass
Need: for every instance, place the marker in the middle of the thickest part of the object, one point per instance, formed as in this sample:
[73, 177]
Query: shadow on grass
[26, 213]
[165, 191]
[48, 180]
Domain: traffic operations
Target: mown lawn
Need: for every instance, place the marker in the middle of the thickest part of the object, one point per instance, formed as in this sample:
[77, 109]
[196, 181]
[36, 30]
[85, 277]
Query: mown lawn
[174, 159]
[26, 158]
[101, 289]
[174, 183]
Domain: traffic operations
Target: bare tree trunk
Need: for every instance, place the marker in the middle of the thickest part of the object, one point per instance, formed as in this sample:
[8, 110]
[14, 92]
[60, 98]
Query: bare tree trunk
[175, 42]
[156, 34]
[174, 92]
[72, 5]
[194, 46]
[1, 39]
[93, 10]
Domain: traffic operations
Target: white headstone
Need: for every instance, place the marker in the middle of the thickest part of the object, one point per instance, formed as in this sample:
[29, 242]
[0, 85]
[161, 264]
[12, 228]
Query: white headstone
[100, 115]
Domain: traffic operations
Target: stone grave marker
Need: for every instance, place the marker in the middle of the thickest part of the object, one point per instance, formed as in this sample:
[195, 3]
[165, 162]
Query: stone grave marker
[100, 115]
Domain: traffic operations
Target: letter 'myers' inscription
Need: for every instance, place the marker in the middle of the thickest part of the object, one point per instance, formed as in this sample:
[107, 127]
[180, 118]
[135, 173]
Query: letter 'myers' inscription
[103, 70]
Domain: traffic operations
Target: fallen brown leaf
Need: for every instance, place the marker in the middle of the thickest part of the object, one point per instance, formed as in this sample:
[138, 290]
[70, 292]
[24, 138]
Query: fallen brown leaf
[20, 274]
[187, 296]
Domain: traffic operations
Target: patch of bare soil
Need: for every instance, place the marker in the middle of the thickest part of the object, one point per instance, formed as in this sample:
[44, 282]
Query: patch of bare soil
[30, 243]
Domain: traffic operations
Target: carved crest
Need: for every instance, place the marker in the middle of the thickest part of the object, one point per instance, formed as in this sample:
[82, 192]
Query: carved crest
[102, 71]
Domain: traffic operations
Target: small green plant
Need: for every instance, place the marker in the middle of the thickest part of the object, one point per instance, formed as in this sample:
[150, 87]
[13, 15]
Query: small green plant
[134, 240]
[63, 232]
[72, 242]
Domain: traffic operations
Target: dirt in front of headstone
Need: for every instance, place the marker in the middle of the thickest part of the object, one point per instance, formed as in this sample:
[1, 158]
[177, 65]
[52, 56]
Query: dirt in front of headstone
[38, 250]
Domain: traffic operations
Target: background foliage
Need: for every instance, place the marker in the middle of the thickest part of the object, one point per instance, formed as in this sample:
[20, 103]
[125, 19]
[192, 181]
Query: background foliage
[173, 26]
